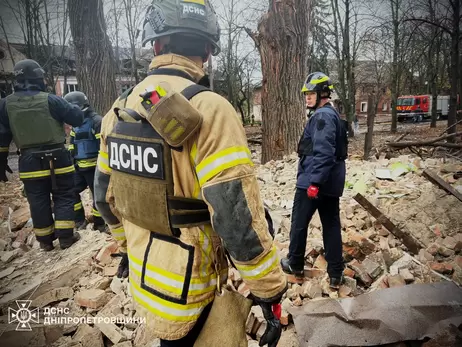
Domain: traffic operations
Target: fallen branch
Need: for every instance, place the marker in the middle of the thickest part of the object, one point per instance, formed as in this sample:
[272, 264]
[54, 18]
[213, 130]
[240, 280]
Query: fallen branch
[437, 180]
[409, 241]
[444, 132]
[399, 138]
[432, 142]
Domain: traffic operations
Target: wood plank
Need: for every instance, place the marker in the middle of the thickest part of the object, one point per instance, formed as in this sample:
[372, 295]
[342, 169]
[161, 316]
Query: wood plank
[437, 180]
[409, 241]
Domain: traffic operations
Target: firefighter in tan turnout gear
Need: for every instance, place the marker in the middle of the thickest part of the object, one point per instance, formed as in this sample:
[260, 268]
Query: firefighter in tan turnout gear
[175, 181]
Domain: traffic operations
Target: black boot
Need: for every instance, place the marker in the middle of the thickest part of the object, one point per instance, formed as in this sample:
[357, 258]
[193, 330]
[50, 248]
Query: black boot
[69, 241]
[81, 225]
[288, 269]
[102, 228]
[47, 247]
[336, 282]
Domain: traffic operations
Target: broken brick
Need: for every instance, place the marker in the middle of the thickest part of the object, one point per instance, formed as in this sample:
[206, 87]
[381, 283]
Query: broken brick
[433, 249]
[311, 290]
[442, 268]
[110, 271]
[111, 331]
[349, 273]
[314, 273]
[344, 291]
[284, 318]
[449, 242]
[244, 289]
[92, 298]
[352, 252]
[294, 279]
[320, 263]
[458, 261]
[396, 281]
[88, 336]
[372, 268]
[424, 256]
[53, 295]
[104, 254]
[407, 275]
[361, 273]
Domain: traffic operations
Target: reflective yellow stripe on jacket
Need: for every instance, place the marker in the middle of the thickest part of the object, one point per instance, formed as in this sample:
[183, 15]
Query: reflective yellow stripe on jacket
[264, 266]
[171, 283]
[78, 206]
[118, 233]
[103, 163]
[86, 163]
[4, 149]
[218, 162]
[45, 173]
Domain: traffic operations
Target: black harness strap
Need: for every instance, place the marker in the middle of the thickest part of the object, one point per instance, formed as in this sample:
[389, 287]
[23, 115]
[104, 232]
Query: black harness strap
[171, 72]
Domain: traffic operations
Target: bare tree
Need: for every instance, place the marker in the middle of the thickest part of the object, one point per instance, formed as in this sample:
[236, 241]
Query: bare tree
[345, 44]
[44, 28]
[93, 50]
[448, 22]
[282, 40]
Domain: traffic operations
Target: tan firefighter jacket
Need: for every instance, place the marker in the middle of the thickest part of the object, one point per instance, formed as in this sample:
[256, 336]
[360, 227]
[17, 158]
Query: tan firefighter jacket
[172, 280]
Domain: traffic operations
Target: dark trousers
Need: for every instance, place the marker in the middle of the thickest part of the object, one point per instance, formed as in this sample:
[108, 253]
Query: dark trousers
[190, 339]
[302, 212]
[39, 195]
[82, 180]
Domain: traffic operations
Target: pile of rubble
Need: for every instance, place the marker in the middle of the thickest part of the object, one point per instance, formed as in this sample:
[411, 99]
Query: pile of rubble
[81, 279]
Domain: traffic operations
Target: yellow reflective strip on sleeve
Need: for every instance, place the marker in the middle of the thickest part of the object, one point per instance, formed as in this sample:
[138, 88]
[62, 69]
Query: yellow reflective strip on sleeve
[118, 233]
[98, 136]
[200, 2]
[218, 162]
[78, 206]
[95, 213]
[166, 309]
[87, 163]
[262, 268]
[63, 170]
[44, 231]
[4, 149]
[64, 224]
[72, 133]
[71, 147]
[103, 163]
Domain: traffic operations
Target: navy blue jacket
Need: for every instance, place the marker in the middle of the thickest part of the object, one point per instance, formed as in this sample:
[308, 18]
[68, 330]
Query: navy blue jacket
[60, 110]
[319, 162]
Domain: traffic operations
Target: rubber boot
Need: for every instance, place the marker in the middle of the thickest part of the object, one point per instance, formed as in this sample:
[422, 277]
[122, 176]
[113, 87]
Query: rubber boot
[102, 228]
[287, 268]
[47, 247]
[69, 241]
[81, 225]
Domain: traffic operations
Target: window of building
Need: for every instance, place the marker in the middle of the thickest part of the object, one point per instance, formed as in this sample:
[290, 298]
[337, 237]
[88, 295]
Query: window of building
[71, 88]
[384, 106]
[364, 107]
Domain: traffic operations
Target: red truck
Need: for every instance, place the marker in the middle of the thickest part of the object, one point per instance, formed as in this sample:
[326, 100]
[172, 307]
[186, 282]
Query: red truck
[419, 107]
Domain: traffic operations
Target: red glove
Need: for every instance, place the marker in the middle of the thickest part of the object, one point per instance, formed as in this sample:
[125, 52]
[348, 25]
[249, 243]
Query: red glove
[312, 192]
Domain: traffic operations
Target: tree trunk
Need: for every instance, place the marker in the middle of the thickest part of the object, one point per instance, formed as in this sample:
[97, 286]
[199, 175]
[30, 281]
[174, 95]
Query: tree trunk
[282, 41]
[93, 51]
[455, 36]
[370, 125]
[395, 68]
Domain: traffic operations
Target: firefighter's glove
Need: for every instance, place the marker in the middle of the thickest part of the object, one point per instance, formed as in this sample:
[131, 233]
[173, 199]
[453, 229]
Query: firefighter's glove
[312, 192]
[273, 327]
[122, 271]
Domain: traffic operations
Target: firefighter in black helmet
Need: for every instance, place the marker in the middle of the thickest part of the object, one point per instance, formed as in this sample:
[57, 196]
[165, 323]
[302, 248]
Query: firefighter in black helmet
[84, 147]
[320, 179]
[35, 121]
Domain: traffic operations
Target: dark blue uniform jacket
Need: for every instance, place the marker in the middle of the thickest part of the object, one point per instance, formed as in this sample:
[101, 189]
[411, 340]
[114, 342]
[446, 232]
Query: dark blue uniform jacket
[322, 151]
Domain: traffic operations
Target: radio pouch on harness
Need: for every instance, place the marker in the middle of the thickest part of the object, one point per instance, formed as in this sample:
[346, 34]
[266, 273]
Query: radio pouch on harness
[139, 149]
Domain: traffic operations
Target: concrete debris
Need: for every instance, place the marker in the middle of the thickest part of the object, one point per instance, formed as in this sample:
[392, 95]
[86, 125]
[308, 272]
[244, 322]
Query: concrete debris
[374, 258]
[92, 298]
